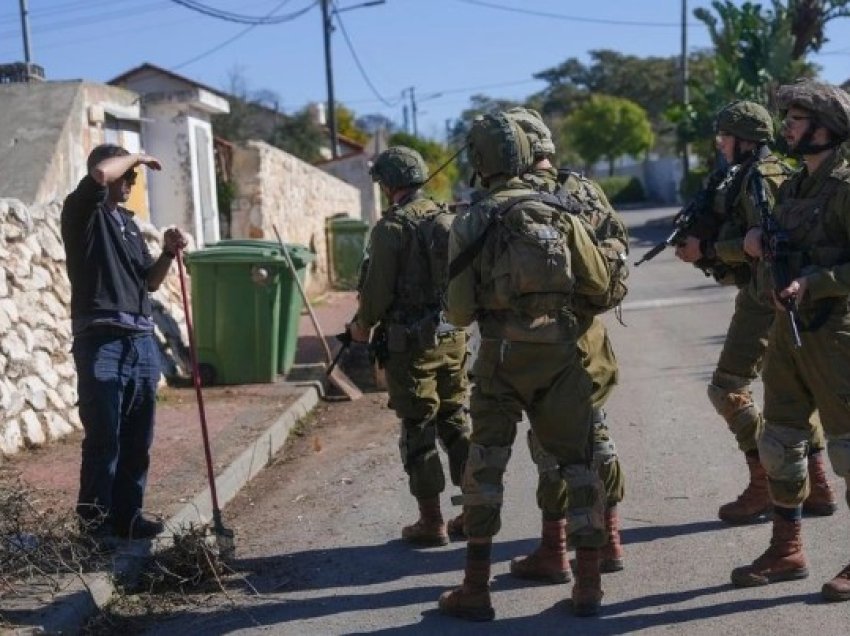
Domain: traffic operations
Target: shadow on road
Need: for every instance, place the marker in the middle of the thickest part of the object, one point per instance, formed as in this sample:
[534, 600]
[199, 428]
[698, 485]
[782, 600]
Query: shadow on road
[654, 533]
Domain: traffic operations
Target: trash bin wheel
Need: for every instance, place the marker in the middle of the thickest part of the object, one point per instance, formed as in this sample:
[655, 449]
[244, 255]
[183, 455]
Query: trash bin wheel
[207, 374]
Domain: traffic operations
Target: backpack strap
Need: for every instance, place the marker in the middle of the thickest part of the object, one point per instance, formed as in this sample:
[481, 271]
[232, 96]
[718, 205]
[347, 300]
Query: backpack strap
[465, 258]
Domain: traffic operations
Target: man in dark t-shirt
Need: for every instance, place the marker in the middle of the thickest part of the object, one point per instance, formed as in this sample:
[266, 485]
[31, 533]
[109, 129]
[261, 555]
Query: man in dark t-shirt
[116, 355]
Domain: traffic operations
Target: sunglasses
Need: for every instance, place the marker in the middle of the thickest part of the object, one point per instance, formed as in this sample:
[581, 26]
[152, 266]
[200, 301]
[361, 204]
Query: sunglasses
[130, 177]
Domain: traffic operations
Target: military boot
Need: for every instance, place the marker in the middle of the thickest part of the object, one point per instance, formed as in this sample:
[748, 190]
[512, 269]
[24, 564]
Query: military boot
[612, 551]
[587, 591]
[838, 589]
[455, 528]
[471, 600]
[429, 530]
[548, 563]
[821, 501]
[754, 501]
[782, 561]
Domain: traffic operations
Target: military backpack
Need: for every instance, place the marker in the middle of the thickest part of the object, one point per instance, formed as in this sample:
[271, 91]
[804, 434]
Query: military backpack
[425, 263]
[609, 232]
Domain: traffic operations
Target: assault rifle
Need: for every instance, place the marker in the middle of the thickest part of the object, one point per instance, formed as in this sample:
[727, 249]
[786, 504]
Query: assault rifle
[776, 249]
[695, 219]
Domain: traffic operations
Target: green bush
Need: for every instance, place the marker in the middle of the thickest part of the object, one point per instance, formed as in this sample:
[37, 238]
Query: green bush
[690, 186]
[621, 189]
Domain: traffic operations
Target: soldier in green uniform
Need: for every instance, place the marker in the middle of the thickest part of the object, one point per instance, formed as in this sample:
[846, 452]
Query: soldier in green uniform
[549, 562]
[516, 263]
[811, 243]
[424, 356]
[744, 130]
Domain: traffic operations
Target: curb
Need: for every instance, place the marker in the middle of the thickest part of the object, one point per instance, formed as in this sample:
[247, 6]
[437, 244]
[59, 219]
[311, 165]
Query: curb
[67, 613]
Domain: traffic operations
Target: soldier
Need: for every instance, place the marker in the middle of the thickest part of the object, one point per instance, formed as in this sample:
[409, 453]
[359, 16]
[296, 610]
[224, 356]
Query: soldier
[744, 130]
[402, 290]
[515, 264]
[549, 562]
[813, 218]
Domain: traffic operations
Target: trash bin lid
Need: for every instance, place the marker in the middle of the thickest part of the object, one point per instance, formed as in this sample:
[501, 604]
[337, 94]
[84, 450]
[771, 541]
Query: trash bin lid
[301, 255]
[347, 224]
[234, 254]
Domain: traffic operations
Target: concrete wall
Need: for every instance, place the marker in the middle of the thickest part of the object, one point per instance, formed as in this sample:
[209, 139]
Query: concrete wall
[276, 188]
[354, 170]
[46, 133]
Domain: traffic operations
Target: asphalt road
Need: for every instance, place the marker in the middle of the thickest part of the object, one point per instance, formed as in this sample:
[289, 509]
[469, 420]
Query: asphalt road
[319, 534]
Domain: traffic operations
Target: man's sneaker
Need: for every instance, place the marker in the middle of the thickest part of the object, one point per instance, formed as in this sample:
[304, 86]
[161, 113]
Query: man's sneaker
[139, 528]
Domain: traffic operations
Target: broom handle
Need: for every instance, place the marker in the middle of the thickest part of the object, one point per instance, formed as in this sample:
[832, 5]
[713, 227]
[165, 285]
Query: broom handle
[301, 291]
[196, 378]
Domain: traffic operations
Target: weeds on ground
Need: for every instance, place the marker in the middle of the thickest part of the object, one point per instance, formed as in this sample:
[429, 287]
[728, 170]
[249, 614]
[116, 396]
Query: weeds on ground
[189, 572]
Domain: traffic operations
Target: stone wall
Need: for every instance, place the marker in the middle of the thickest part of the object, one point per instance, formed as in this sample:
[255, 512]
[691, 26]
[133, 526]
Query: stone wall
[37, 376]
[276, 188]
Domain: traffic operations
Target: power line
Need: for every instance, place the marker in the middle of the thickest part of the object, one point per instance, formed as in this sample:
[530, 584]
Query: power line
[571, 18]
[468, 89]
[244, 31]
[362, 70]
[239, 17]
[88, 20]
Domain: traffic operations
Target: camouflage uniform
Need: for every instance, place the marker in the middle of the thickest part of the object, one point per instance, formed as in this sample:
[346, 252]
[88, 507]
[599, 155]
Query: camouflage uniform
[814, 211]
[597, 356]
[526, 365]
[425, 375]
[746, 338]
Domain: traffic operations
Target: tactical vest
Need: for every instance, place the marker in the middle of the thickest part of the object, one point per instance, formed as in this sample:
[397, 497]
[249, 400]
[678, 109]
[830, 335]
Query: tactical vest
[817, 239]
[730, 211]
[423, 265]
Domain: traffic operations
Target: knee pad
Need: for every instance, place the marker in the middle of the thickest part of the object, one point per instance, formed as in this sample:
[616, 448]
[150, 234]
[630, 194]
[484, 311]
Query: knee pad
[416, 443]
[783, 452]
[547, 465]
[736, 406]
[839, 456]
[604, 449]
[590, 517]
[477, 489]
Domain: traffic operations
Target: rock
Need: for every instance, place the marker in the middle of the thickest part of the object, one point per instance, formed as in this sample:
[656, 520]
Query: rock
[57, 426]
[32, 431]
[11, 439]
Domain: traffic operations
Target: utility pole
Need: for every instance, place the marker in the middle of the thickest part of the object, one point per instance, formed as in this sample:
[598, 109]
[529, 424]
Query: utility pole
[25, 30]
[684, 79]
[327, 29]
[404, 114]
[413, 110]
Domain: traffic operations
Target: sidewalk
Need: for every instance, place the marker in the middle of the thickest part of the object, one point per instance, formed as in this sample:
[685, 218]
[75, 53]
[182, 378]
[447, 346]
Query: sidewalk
[247, 424]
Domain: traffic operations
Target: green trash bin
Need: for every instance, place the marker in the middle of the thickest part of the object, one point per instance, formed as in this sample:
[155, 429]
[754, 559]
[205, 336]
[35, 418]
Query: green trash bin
[291, 303]
[236, 296]
[347, 245]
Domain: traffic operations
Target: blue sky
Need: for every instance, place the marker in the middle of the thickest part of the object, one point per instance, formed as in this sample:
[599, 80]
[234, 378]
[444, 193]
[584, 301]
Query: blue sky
[446, 49]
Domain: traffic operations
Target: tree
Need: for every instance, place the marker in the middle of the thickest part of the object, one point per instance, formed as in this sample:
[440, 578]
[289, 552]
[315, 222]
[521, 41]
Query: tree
[608, 127]
[345, 125]
[299, 135]
[651, 82]
[435, 155]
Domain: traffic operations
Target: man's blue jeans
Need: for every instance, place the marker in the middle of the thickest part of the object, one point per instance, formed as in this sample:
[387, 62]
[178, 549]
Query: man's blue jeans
[117, 379]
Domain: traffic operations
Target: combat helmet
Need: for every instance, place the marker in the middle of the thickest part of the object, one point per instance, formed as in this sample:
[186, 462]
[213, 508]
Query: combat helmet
[399, 167]
[498, 146]
[539, 135]
[828, 104]
[745, 120]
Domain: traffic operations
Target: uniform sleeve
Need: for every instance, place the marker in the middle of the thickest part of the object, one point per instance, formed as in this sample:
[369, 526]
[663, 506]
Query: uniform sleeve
[589, 266]
[460, 296]
[378, 287]
[827, 282]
